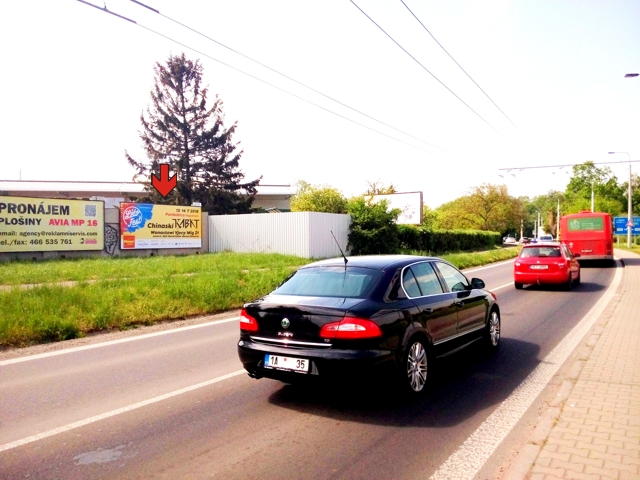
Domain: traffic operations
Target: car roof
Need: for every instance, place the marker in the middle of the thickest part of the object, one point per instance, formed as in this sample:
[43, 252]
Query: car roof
[542, 244]
[380, 262]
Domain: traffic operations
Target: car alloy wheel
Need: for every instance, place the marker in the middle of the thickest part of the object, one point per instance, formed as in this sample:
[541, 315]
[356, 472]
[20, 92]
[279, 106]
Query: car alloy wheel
[569, 284]
[493, 329]
[417, 366]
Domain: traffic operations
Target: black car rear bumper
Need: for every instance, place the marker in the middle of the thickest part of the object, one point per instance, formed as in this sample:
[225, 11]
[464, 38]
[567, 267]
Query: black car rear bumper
[324, 363]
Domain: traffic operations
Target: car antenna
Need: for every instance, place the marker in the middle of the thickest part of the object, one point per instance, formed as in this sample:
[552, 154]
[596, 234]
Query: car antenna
[343, 256]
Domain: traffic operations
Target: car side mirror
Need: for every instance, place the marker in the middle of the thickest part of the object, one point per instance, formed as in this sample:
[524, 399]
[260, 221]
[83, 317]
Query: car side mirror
[477, 283]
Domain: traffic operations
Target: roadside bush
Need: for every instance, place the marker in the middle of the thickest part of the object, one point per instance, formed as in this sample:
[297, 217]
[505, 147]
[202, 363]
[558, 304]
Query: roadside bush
[413, 237]
[373, 228]
[318, 198]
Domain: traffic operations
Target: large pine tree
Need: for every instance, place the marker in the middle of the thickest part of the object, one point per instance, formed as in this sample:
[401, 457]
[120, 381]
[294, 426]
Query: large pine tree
[180, 130]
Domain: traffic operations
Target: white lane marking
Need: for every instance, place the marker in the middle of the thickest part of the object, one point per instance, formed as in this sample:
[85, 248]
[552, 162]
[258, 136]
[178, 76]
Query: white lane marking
[114, 342]
[475, 451]
[112, 413]
[489, 266]
[502, 286]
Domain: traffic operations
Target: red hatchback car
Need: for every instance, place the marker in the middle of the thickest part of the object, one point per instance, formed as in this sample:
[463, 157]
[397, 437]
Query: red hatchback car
[546, 263]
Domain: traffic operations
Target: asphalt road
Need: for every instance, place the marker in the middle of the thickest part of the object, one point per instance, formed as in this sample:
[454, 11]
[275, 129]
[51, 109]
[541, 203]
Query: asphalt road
[175, 405]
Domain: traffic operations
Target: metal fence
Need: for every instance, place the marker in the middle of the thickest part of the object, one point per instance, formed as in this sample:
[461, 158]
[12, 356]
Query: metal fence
[304, 234]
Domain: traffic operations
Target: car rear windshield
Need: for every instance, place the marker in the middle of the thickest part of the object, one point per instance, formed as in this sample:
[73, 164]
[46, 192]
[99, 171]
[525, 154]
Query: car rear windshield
[352, 282]
[541, 252]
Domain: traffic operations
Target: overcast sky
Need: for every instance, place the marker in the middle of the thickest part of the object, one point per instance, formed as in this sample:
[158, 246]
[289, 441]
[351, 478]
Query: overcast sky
[75, 80]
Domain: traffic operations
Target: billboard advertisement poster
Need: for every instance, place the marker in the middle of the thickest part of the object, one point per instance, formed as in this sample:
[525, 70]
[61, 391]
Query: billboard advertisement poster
[50, 224]
[145, 225]
[409, 204]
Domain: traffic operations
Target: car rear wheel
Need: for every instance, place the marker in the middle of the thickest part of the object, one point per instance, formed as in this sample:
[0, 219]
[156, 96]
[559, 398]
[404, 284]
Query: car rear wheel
[493, 330]
[569, 284]
[518, 285]
[415, 366]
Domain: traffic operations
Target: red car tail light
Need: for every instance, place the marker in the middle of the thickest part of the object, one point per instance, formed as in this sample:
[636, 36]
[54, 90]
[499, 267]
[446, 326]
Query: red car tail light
[247, 322]
[351, 328]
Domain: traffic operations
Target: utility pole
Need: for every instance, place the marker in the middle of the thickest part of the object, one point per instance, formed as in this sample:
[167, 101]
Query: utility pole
[558, 221]
[629, 203]
[521, 228]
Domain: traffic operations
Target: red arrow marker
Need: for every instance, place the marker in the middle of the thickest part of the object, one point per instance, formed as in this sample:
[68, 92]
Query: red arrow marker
[164, 184]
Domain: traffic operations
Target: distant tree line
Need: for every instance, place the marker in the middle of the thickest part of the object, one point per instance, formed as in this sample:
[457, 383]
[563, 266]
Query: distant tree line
[490, 207]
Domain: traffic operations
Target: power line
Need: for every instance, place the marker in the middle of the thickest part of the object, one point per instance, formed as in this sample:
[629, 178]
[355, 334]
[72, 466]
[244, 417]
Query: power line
[508, 169]
[265, 82]
[106, 10]
[425, 68]
[286, 76]
[454, 61]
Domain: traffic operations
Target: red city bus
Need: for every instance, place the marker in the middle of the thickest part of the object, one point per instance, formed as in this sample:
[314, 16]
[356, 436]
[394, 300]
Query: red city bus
[588, 234]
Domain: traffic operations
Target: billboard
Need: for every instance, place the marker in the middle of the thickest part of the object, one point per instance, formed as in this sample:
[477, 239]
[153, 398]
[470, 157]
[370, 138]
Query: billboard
[409, 203]
[144, 225]
[50, 224]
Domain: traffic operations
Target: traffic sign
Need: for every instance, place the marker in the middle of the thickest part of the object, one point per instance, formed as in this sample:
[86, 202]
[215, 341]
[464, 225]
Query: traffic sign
[620, 225]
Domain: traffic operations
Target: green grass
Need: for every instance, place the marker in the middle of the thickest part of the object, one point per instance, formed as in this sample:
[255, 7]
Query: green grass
[51, 271]
[634, 248]
[474, 259]
[120, 293]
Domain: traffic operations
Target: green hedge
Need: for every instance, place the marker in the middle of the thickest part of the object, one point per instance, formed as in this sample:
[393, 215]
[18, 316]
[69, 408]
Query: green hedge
[373, 229]
[439, 241]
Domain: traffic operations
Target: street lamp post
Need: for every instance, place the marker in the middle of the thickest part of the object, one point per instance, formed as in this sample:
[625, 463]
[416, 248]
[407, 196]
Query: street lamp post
[629, 203]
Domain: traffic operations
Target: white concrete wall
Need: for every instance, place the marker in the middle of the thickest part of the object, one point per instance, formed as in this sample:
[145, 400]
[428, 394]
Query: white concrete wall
[304, 234]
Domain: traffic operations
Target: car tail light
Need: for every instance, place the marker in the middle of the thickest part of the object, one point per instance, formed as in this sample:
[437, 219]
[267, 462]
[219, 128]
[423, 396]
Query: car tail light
[351, 328]
[247, 322]
[493, 295]
[518, 264]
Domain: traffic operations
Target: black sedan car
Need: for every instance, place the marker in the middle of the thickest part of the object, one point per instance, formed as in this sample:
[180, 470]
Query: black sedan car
[345, 317]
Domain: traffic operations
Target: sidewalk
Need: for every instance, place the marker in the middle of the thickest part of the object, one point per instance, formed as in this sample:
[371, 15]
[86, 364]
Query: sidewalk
[594, 431]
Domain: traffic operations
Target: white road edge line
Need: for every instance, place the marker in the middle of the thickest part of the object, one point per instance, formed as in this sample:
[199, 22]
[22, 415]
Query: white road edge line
[489, 266]
[114, 342]
[112, 413]
[470, 457]
[501, 286]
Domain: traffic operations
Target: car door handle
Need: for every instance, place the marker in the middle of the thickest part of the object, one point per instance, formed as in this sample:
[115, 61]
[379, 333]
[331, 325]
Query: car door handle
[428, 311]
[459, 304]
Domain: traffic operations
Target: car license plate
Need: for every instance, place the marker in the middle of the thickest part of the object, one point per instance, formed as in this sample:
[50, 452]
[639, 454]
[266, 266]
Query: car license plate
[286, 363]
[539, 267]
